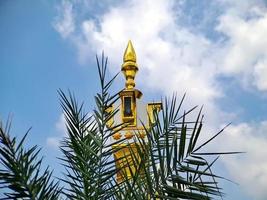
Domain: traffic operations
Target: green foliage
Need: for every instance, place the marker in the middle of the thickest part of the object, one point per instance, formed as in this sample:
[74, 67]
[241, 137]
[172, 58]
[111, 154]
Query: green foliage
[87, 153]
[21, 170]
[174, 167]
[170, 163]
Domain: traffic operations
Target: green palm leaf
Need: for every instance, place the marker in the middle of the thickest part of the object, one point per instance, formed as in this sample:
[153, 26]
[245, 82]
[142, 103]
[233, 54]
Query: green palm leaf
[21, 170]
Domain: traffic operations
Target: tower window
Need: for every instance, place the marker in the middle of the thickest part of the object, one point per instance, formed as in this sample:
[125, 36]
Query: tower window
[128, 107]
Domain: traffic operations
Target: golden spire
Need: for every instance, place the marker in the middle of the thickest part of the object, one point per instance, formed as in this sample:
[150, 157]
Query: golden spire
[129, 66]
[129, 54]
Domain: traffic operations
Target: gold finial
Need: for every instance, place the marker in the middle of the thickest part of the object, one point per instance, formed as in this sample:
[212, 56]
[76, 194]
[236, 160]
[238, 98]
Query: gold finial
[129, 66]
[129, 54]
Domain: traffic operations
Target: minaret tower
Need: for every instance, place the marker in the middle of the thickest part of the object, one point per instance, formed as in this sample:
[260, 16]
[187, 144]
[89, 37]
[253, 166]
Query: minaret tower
[129, 94]
[133, 112]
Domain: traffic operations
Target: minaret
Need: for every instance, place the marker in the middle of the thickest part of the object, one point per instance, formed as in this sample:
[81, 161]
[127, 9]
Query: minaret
[133, 112]
[129, 94]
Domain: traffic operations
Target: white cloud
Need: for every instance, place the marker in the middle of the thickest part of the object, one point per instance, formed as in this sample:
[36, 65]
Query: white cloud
[260, 74]
[249, 169]
[160, 44]
[61, 124]
[53, 142]
[61, 130]
[245, 51]
[64, 23]
[172, 57]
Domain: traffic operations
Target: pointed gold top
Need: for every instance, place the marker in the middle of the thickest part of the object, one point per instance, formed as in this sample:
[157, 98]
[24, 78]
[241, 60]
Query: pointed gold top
[129, 54]
[129, 66]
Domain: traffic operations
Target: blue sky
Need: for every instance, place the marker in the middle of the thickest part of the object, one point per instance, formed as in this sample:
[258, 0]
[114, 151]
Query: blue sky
[213, 50]
[35, 63]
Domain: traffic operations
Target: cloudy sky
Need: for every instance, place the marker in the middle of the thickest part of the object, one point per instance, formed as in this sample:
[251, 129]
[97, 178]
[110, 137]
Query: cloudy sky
[215, 51]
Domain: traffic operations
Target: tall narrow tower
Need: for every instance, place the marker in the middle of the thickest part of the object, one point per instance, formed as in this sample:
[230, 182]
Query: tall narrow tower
[133, 112]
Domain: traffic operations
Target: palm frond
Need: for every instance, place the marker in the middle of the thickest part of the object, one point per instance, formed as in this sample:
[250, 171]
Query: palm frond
[175, 169]
[88, 153]
[21, 170]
